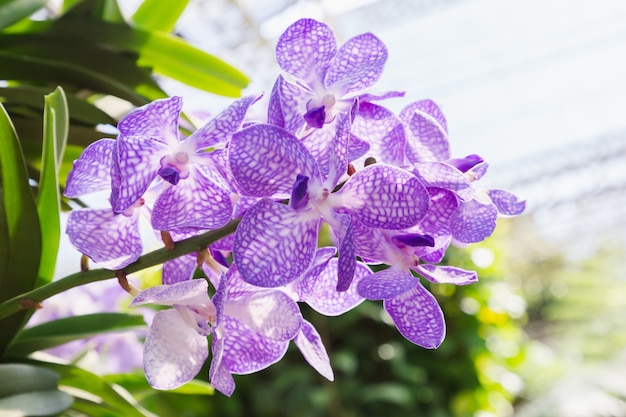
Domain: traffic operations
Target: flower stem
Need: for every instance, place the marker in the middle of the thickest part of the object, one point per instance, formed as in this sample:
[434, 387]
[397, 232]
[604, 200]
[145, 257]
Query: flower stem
[159, 256]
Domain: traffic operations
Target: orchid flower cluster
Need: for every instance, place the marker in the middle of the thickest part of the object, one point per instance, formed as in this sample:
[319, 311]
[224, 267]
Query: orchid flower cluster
[328, 160]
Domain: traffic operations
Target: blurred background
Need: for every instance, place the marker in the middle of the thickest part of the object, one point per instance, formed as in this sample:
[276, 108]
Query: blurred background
[537, 88]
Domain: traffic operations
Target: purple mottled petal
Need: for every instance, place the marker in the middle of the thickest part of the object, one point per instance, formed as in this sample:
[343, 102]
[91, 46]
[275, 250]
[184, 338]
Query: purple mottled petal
[325, 298]
[173, 352]
[312, 348]
[219, 376]
[246, 351]
[473, 222]
[219, 300]
[428, 141]
[427, 107]
[184, 293]
[358, 64]
[480, 170]
[507, 203]
[383, 130]
[221, 128]
[293, 99]
[138, 165]
[275, 114]
[91, 172]
[447, 274]
[418, 317]
[272, 314]
[369, 242]
[386, 284]
[305, 50]
[179, 269]
[442, 175]
[436, 223]
[274, 244]
[154, 122]
[197, 201]
[357, 148]
[265, 160]
[385, 196]
[380, 96]
[111, 240]
[347, 251]
[304, 286]
[338, 158]
[437, 256]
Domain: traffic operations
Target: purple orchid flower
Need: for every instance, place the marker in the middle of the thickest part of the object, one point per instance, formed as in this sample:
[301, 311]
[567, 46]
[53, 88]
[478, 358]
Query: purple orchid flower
[112, 240]
[195, 193]
[275, 243]
[428, 149]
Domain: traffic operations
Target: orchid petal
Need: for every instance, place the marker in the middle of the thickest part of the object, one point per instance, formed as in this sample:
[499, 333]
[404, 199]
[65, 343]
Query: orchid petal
[184, 293]
[293, 99]
[179, 269]
[385, 196]
[442, 175]
[428, 141]
[383, 130]
[274, 244]
[155, 122]
[91, 172]
[265, 160]
[473, 222]
[197, 201]
[112, 240]
[426, 107]
[219, 375]
[306, 49]
[220, 129]
[325, 298]
[358, 64]
[418, 317]
[312, 348]
[447, 274]
[173, 352]
[246, 351]
[275, 113]
[304, 286]
[272, 314]
[347, 251]
[506, 202]
[386, 284]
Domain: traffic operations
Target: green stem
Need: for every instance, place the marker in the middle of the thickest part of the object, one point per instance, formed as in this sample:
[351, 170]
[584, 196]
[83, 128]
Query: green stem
[192, 244]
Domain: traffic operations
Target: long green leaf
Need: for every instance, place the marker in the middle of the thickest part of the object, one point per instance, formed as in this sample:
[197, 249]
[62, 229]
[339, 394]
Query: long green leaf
[22, 227]
[12, 11]
[48, 198]
[72, 376]
[159, 15]
[137, 385]
[57, 332]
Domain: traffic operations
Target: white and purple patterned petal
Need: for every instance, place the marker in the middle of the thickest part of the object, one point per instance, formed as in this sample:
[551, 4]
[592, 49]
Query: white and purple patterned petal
[305, 50]
[111, 240]
[370, 242]
[338, 158]
[266, 159]
[139, 162]
[436, 222]
[385, 196]
[506, 202]
[272, 314]
[473, 222]
[221, 128]
[386, 284]
[274, 244]
[246, 351]
[446, 274]
[179, 269]
[219, 375]
[293, 99]
[428, 141]
[304, 286]
[384, 132]
[190, 292]
[91, 172]
[275, 114]
[442, 175]
[358, 64]
[155, 122]
[312, 348]
[418, 317]
[427, 107]
[198, 201]
[325, 298]
[173, 352]
[347, 251]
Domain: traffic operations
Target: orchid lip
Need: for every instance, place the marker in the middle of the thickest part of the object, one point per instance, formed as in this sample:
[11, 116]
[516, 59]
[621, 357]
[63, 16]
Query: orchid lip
[316, 117]
[170, 174]
[299, 194]
[413, 240]
[467, 163]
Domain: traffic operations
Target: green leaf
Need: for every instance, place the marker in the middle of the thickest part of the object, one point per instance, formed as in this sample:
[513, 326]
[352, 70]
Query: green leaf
[18, 378]
[159, 15]
[57, 332]
[117, 399]
[137, 384]
[22, 233]
[48, 199]
[12, 11]
[40, 403]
